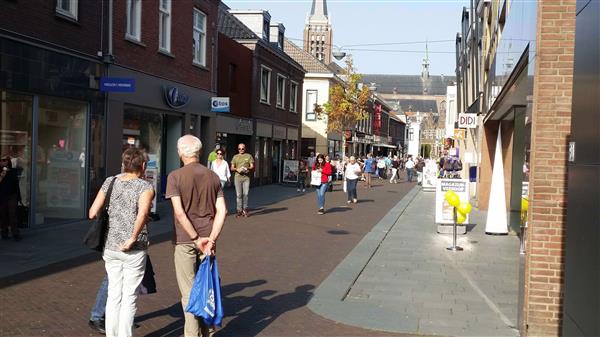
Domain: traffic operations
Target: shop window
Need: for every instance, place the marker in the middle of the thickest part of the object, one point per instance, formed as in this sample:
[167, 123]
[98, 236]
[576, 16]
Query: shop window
[15, 140]
[61, 177]
[134, 20]
[199, 38]
[67, 8]
[311, 102]
[280, 91]
[265, 84]
[164, 17]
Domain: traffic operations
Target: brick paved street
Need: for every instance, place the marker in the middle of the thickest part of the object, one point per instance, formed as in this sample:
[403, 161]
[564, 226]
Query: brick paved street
[270, 265]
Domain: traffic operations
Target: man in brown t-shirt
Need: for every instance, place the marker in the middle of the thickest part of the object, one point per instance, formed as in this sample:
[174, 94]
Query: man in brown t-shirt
[199, 213]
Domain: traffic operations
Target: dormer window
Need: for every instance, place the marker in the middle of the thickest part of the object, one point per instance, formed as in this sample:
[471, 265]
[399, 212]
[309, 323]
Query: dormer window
[266, 27]
[280, 40]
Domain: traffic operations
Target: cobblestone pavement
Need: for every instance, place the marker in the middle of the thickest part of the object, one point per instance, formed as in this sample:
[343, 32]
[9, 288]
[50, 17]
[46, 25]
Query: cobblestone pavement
[270, 265]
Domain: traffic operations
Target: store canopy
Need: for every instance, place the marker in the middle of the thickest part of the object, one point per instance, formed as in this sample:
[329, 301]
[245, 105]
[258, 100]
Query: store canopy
[386, 145]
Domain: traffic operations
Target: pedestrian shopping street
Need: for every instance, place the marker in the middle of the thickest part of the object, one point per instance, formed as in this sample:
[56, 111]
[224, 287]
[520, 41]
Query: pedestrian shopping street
[272, 263]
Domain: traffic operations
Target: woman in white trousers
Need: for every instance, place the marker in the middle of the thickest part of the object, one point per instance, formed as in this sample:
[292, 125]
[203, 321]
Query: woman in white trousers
[127, 240]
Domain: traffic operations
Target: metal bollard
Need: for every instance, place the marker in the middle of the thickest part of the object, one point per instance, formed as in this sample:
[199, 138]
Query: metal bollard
[454, 247]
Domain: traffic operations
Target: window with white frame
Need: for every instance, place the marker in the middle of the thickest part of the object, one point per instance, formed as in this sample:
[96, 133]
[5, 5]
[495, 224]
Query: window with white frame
[311, 101]
[164, 31]
[134, 20]
[199, 38]
[265, 84]
[67, 8]
[293, 96]
[280, 91]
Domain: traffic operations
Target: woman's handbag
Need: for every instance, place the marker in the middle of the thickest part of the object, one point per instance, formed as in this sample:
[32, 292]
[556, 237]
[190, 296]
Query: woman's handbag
[96, 235]
[315, 178]
[148, 285]
[205, 296]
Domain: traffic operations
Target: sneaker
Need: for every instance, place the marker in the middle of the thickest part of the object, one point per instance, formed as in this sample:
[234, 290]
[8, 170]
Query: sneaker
[245, 213]
[98, 326]
[303, 190]
[321, 211]
[354, 201]
[238, 214]
[348, 201]
[298, 190]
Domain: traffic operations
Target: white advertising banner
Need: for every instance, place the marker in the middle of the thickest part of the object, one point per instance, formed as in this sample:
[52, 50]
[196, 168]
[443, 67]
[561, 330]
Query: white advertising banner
[443, 210]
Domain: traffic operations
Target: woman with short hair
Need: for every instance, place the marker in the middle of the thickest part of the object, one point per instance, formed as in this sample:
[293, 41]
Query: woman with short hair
[352, 173]
[126, 244]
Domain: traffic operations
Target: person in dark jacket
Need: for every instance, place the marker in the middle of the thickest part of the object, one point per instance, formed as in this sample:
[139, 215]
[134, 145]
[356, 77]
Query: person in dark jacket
[10, 195]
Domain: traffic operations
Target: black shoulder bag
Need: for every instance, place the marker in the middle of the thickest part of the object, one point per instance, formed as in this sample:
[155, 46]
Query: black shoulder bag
[96, 235]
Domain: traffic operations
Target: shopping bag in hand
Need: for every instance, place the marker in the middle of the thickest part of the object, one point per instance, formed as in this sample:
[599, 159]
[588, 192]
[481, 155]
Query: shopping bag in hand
[205, 296]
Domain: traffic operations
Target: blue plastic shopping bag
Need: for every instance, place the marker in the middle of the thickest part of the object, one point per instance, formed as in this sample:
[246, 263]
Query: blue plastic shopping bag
[205, 296]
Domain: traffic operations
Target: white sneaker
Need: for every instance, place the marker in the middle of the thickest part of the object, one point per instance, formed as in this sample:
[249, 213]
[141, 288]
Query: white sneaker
[298, 190]
[303, 190]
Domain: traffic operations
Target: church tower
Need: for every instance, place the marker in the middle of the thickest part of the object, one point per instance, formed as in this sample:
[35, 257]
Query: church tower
[317, 32]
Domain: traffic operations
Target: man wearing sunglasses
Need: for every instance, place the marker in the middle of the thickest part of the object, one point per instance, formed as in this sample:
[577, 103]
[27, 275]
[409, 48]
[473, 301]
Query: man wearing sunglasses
[242, 164]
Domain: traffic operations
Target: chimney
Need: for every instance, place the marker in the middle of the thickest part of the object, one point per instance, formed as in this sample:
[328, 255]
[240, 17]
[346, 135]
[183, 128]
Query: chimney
[276, 34]
[259, 21]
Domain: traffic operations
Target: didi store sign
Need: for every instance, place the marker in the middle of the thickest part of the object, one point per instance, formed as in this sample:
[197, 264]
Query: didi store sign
[467, 121]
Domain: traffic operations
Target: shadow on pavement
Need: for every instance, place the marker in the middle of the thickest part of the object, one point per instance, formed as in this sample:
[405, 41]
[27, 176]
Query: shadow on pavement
[337, 209]
[175, 310]
[338, 232]
[252, 314]
[264, 210]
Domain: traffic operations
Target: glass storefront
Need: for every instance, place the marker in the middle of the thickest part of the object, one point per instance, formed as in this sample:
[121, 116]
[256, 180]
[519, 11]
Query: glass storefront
[157, 133]
[55, 183]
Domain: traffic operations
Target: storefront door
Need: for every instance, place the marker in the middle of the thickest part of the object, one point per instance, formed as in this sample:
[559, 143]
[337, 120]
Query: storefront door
[276, 164]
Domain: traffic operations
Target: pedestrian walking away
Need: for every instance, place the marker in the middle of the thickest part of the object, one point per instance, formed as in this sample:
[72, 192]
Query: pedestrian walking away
[352, 173]
[242, 164]
[369, 168]
[409, 165]
[126, 244]
[199, 212]
[419, 168]
[321, 172]
[221, 168]
[395, 170]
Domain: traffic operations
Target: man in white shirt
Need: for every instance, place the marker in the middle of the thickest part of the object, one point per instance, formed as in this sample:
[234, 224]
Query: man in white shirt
[410, 167]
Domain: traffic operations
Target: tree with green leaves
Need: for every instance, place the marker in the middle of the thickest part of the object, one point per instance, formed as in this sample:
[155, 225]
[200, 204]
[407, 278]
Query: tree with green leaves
[347, 104]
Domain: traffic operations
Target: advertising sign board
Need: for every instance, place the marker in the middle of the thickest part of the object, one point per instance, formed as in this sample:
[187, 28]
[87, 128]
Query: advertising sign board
[467, 121]
[290, 171]
[443, 210]
[219, 104]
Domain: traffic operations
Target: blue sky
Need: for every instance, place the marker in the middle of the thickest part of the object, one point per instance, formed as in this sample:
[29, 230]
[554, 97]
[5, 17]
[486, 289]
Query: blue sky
[391, 23]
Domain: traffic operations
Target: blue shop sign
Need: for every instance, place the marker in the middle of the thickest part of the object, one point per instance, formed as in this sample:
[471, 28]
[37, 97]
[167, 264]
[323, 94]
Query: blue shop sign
[117, 84]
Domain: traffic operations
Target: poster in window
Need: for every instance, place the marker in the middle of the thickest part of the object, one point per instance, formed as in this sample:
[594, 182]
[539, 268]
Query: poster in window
[290, 171]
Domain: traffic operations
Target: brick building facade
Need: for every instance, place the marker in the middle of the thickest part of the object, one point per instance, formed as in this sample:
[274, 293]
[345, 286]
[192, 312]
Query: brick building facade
[526, 93]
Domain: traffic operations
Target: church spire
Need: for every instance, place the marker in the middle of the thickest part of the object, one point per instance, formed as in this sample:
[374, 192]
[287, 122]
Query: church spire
[425, 71]
[318, 12]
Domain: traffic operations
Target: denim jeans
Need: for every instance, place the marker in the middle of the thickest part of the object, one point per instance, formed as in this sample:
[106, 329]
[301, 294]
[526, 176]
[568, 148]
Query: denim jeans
[351, 188]
[100, 306]
[409, 174]
[242, 187]
[321, 189]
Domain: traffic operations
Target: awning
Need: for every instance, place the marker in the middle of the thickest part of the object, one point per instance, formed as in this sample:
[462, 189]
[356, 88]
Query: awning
[386, 145]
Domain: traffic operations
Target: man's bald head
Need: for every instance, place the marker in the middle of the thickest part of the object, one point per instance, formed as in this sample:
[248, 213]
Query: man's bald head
[189, 146]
